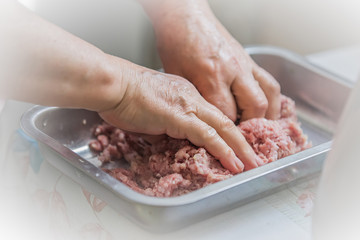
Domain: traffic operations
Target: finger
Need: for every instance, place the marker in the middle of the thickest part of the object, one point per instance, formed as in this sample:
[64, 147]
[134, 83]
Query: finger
[230, 134]
[271, 89]
[249, 96]
[223, 99]
[152, 139]
[203, 135]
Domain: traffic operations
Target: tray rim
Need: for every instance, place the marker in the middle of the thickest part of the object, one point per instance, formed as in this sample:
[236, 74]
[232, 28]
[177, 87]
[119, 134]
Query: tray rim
[299, 59]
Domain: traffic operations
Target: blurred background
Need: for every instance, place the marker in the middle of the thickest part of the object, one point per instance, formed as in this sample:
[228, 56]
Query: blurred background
[121, 27]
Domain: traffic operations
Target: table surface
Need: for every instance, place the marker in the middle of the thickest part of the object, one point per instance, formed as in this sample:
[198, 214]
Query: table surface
[38, 201]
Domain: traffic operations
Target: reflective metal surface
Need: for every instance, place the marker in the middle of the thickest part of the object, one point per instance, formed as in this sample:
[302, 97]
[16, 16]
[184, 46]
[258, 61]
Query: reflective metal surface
[64, 134]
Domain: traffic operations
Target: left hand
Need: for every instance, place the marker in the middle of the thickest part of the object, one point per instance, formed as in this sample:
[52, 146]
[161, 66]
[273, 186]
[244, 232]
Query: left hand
[193, 44]
[155, 103]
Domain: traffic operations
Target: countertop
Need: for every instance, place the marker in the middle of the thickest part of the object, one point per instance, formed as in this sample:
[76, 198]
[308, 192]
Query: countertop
[39, 202]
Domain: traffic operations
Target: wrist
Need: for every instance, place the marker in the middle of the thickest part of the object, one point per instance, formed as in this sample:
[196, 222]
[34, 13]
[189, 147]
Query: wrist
[107, 86]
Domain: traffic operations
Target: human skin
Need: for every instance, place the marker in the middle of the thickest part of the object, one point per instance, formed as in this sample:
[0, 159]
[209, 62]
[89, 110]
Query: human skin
[43, 64]
[193, 44]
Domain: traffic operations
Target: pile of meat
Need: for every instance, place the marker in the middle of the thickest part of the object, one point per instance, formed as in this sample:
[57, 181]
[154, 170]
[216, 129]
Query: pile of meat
[174, 167]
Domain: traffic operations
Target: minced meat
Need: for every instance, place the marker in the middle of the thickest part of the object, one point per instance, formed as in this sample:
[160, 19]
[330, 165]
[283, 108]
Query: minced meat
[173, 167]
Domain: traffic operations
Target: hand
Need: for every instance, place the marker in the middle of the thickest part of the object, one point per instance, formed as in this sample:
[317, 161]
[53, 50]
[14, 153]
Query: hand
[193, 44]
[157, 103]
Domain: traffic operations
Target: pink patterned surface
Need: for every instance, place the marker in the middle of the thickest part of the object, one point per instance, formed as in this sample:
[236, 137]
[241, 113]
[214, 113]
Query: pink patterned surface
[96, 204]
[306, 199]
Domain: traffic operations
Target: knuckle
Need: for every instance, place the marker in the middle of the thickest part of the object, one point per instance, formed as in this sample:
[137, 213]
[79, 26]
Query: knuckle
[274, 87]
[183, 96]
[271, 84]
[226, 124]
[210, 67]
[189, 109]
[209, 134]
[239, 64]
[261, 105]
[186, 106]
[229, 153]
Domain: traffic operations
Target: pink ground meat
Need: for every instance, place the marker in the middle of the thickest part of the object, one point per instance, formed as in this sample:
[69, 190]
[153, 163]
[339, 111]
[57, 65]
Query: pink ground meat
[173, 167]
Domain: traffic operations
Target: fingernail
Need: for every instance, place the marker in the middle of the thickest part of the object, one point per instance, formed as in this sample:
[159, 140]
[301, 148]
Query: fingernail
[239, 165]
[259, 161]
[254, 158]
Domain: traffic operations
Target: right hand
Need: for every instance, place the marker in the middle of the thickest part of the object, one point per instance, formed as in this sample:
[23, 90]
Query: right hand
[193, 44]
[156, 103]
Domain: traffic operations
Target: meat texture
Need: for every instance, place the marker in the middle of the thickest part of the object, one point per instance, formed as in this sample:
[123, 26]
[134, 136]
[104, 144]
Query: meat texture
[173, 167]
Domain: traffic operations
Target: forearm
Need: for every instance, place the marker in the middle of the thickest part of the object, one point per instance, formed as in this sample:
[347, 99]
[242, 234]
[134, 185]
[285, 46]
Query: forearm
[43, 64]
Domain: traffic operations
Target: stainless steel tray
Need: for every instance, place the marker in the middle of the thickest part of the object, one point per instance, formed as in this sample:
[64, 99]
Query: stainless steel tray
[64, 134]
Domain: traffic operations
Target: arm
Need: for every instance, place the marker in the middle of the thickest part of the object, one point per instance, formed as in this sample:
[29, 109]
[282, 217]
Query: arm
[192, 43]
[43, 64]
